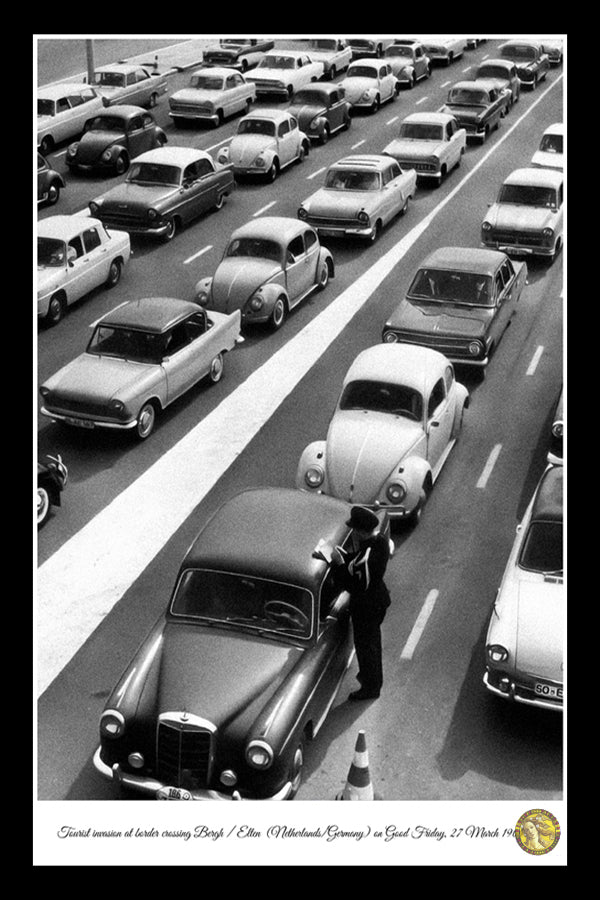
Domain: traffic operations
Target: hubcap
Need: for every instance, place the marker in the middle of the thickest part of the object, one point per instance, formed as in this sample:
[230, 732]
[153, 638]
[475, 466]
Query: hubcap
[296, 773]
[216, 368]
[146, 420]
[43, 503]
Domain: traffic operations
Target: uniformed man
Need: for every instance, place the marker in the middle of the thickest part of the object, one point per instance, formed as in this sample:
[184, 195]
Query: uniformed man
[359, 569]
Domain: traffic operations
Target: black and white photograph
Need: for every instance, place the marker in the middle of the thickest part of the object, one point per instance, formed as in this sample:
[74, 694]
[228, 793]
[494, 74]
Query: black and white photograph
[299, 407]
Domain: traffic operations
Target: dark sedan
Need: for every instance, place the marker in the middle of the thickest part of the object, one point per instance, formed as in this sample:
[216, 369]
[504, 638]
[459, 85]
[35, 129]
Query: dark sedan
[49, 182]
[164, 190]
[529, 58]
[477, 106]
[113, 138]
[240, 673]
[460, 302]
[321, 110]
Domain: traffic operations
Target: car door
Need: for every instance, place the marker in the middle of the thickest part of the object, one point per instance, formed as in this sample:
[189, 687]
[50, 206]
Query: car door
[80, 279]
[395, 190]
[43, 168]
[287, 141]
[299, 269]
[147, 135]
[231, 100]
[200, 186]
[135, 136]
[97, 256]
[335, 111]
[333, 645]
[440, 416]
[420, 62]
[386, 79]
[453, 143]
[505, 283]
[186, 354]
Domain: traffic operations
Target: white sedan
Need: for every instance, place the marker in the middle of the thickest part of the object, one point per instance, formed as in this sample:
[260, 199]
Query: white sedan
[75, 255]
[285, 73]
[397, 419]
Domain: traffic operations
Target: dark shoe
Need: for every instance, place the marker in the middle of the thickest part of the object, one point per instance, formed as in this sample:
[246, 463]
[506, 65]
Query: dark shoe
[363, 694]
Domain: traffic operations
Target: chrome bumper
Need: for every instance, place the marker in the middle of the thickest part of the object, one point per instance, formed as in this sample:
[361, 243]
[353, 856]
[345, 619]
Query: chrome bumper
[512, 695]
[192, 116]
[151, 786]
[77, 421]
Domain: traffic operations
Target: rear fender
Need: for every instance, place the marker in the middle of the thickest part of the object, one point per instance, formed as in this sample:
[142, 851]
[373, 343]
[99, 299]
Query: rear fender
[325, 255]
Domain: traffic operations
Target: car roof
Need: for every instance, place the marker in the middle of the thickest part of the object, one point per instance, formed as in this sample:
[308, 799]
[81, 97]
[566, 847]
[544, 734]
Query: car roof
[174, 156]
[323, 87]
[274, 51]
[436, 118]
[366, 61]
[127, 110]
[496, 61]
[124, 67]
[364, 161]
[155, 314]
[272, 227]
[484, 84]
[407, 364]
[275, 115]
[53, 91]
[215, 70]
[64, 228]
[538, 177]
[464, 259]
[557, 128]
[548, 502]
[518, 42]
[270, 532]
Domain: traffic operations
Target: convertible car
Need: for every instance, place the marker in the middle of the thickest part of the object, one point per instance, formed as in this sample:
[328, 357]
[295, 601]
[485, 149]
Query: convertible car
[397, 419]
[524, 643]
[240, 673]
[142, 356]
[269, 266]
[460, 302]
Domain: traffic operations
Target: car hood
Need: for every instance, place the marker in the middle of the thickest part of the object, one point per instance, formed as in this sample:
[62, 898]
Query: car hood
[355, 87]
[221, 675]
[49, 277]
[281, 75]
[539, 647]
[341, 203]
[363, 448]
[236, 279]
[306, 112]
[131, 196]
[97, 378]
[413, 149]
[93, 143]
[513, 215]
[197, 95]
[466, 113]
[436, 319]
[548, 160]
[245, 147]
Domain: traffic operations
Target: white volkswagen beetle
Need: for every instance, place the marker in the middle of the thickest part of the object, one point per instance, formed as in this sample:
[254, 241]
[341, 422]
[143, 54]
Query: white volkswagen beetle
[398, 417]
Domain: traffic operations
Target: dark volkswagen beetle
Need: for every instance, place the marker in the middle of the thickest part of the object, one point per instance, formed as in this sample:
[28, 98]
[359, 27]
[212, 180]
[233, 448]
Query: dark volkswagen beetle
[321, 110]
[114, 137]
[242, 670]
[49, 182]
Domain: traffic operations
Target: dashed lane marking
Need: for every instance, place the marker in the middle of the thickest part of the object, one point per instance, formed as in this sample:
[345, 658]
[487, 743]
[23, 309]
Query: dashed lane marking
[445, 84]
[468, 69]
[263, 209]
[360, 143]
[535, 360]
[422, 100]
[314, 174]
[489, 466]
[196, 255]
[419, 626]
[390, 121]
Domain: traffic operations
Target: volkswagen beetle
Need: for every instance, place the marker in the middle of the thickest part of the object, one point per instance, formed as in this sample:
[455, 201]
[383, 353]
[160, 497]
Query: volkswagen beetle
[267, 141]
[113, 138]
[397, 419]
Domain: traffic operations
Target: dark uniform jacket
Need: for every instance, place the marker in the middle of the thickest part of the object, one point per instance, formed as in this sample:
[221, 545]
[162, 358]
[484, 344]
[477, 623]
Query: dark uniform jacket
[362, 576]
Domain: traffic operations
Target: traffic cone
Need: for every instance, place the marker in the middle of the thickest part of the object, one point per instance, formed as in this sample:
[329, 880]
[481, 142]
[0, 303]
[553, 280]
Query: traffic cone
[358, 785]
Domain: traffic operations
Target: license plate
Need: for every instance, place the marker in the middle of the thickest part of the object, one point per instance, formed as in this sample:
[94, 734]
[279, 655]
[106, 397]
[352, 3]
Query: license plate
[173, 793]
[79, 423]
[548, 690]
[328, 232]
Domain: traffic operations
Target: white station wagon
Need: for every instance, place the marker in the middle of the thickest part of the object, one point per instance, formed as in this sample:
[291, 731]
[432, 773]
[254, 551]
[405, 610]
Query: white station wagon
[397, 419]
[75, 255]
[62, 111]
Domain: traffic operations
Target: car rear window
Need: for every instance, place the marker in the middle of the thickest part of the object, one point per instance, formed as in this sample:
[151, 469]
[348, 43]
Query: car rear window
[378, 396]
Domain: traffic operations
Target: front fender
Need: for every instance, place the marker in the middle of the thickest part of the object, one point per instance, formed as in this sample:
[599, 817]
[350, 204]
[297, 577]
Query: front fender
[415, 471]
[325, 255]
[204, 286]
[270, 293]
[314, 454]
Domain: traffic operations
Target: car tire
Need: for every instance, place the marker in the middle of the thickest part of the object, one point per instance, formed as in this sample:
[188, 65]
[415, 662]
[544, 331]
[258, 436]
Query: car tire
[324, 276]
[347, 122]
[279, 313]
[557, 249]
[43, 505]
[53, 193]
[376, 231]
[290, 91]
[332, 73]
[247, 108]
[171, 230]
[114, 273]
[325, 135]
[220, 201]
[220, 118]
[56, 309]
[153, 100]
[46, 145]
[217, 367]
[145, 422]
[121, 164]
[441, 176]
[375, 105]
[405, 207]
[412, 82]
[415, 516]
[273, 171]
[297, 768]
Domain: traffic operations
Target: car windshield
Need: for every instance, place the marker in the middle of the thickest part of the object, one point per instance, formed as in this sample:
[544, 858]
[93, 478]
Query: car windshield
[207, 82]
[528, 195]
[154, 173]
[362, 72]
[361, 45]
[244, 601]
[446, 286]
[257, 126]
[258, 247]
[277, 62]
[552, 143]
[492, 72]
[106, 123]
[50, 252]
[127, 343]
[378, 396]
[348, 180]
[310, 98]
[543, 548]
[234, 42]
[109, 79]
[518, 51]
[468, 97]
[322, 45]
[421, 131]
[45, 107]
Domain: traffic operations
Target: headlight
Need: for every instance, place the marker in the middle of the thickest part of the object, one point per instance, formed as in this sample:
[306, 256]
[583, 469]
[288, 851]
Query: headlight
[314, 476]
[363, 217]
[44, 391]
[117, 405]
[486, 226]
[557, 429]
[367, 94]
[475, 348]
[396, 492]
[313, 123]
[72, 149]
[202, 297]
[497, 653]
[94, 207]
[106, 156]
[152, 214]
[390, 337]
[112, 724]
[256, 302]
[136, 760]
[548, 232]
[228, 778]
[223, 156]
[302, 213]
[260, 162]
[259, 754]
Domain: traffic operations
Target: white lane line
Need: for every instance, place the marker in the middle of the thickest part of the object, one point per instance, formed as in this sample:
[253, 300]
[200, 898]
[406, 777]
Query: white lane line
[419, 626]
[468, 69]
[314, 174]
[486, 56]
[199, 253]
[390, 121]
[214, 146]
[360, 143]
[422, 100]
[264, 209]
[79, 584]
[535, 360]
[489, 466]
[445, 84]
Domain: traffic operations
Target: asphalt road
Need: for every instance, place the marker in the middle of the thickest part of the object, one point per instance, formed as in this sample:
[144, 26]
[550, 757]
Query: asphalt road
[435, 733]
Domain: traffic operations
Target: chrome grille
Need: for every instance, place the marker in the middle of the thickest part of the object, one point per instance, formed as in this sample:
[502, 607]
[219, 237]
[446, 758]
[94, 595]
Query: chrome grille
[123, 220]
[451, 347]
[83, 407]
[515, 237]
[417, 166]
[332, 222]
[265, 85]
[194, 108]
[184, 753]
